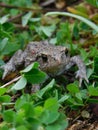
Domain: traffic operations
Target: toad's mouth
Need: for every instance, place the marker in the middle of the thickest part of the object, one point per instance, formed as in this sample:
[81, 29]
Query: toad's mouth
[54, 69]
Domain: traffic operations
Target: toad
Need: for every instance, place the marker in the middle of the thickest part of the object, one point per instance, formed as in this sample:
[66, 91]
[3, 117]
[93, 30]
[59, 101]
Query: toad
[54, 60]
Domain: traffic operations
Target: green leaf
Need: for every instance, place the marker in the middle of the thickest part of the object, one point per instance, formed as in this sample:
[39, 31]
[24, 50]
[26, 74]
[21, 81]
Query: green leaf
[5, 99]
[84, 93]
[45, 89]
[73, 103]
[79, 98]
[93, 91]
[27, 109]
[22, 100]
[35, 76]
[84, 54]
[93, 51]
[34, 65]
[92, 100]
[96, 65]
[2, 91]
[1, 63]
[76, 31]
[38, 111]
[4, 127]
[73, 88]
[20, 84]
[83, 27]
[9, 116]
[23, 3]
[4, 19]
[64, 98]
[36, 124]
[14, 12]
[21, 128]
[48, 30]
[60, 124]
[19, 118]
[3, 43]
[88, 22]
[4, 33]
[51, 104]
[26, 18]
[64, 34]
[54, 127]
[49, 117]
[10, 47]
[89, 72]
[35, 19]
[93, 2]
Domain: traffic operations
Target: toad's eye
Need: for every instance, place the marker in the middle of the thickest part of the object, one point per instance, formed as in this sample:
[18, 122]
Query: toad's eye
[66, 52]
[44, 58]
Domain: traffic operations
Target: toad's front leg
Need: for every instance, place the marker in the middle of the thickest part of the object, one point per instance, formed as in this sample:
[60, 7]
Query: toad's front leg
[12, 65]
[81, 73]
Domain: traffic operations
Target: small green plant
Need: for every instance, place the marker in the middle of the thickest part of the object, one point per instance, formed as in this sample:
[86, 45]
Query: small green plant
[88, 22]
[93, 2]
[28, 115]
[30, 74]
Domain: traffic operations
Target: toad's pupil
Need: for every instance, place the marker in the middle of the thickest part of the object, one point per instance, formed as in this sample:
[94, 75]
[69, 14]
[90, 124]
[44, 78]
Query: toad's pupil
[66, 52]
[44, 58]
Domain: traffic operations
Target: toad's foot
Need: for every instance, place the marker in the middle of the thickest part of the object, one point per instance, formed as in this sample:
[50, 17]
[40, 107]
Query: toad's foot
[12, 65]
[7, 70]
[81, 75]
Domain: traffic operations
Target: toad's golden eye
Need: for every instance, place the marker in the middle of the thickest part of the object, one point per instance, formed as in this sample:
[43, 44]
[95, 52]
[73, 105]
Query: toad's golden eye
[44, 58]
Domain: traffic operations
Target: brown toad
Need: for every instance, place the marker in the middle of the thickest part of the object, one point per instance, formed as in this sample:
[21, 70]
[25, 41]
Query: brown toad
[54, 60]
